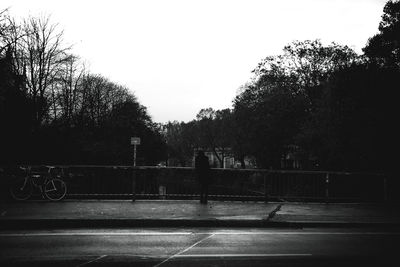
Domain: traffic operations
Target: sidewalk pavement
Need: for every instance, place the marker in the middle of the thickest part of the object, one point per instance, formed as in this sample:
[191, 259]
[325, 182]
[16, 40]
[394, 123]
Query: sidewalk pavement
[190, 213]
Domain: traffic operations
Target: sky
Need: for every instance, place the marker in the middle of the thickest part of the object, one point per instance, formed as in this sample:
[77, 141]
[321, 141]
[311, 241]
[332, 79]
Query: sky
[179, 56]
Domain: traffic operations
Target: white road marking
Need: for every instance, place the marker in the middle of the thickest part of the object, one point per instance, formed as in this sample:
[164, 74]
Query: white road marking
[183, 251]
[33, 234]
[240, 255]
[307, 233]
[195, 244]
[96, 234]
[88, 262]
[159, 256]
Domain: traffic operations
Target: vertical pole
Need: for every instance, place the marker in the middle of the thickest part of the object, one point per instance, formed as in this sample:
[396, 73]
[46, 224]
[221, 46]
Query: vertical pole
[265, 188]
[327, 187]
[134, 155]
[133, 185]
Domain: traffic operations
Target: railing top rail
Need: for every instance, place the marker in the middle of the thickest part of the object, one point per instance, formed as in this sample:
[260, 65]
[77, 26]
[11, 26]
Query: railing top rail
[304, 172]
[214, 169]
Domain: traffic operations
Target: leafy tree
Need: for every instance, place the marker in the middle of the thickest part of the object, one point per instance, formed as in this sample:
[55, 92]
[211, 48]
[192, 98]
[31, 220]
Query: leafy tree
[127, 119]
[304, 65]
[211, 130]
[269, 116]
[384, 47]
[283, 95]
[215, 131]
[353, 128]
[180, 138]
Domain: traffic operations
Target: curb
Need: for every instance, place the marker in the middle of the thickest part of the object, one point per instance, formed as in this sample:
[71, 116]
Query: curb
[338, 224]
[25, 224]
[14, 224]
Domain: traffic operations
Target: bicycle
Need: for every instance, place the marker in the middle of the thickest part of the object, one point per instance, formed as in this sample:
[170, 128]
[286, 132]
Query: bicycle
[49, 184]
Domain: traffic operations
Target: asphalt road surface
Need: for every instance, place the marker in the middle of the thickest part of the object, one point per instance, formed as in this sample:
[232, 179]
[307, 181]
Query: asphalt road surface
[201, 247]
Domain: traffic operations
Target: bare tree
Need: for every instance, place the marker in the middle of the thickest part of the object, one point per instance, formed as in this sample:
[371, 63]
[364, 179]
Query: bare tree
[98, 97]
[10, 37]
[40, 55]
[5, 29]
[66, 89]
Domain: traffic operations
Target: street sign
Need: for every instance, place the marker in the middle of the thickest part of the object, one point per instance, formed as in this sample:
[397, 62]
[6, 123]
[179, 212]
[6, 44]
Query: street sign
[135, 140]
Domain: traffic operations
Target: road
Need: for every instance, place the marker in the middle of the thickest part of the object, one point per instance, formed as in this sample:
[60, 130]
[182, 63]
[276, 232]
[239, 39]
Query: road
[200, 247]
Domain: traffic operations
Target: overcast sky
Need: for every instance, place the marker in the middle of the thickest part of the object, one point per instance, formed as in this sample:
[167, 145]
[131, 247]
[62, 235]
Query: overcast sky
[180, 56]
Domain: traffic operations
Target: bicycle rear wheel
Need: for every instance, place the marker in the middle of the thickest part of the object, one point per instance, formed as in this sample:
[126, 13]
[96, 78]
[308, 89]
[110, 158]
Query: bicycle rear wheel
[55, 189]
[21, 188]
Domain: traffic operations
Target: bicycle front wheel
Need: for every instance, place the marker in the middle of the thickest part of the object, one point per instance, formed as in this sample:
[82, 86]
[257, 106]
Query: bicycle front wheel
[55, 189]
[21, 188]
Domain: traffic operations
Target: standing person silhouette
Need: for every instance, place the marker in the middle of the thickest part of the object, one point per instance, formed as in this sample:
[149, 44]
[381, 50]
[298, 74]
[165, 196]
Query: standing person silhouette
[202, 171]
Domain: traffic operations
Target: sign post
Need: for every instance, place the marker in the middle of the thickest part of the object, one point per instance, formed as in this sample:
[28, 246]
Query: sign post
[135, 141]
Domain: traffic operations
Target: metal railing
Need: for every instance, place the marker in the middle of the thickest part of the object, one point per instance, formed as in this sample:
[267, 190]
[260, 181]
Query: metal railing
[149, 182]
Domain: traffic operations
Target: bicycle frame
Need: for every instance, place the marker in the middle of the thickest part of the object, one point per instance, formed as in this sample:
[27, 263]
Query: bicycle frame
[46, 181]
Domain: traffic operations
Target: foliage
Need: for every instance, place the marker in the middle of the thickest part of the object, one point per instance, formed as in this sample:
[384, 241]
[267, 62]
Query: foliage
[352, 128]
[181, 141]
[384, 47]
[334, 106]
[212, 130]
[283, 94]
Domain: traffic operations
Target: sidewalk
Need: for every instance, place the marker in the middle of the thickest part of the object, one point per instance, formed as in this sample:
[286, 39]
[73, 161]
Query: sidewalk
[189, 213]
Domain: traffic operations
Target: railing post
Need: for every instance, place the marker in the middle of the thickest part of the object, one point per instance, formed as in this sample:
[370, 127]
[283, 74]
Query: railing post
[327, 187]
[266, 197]
[134, 174]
